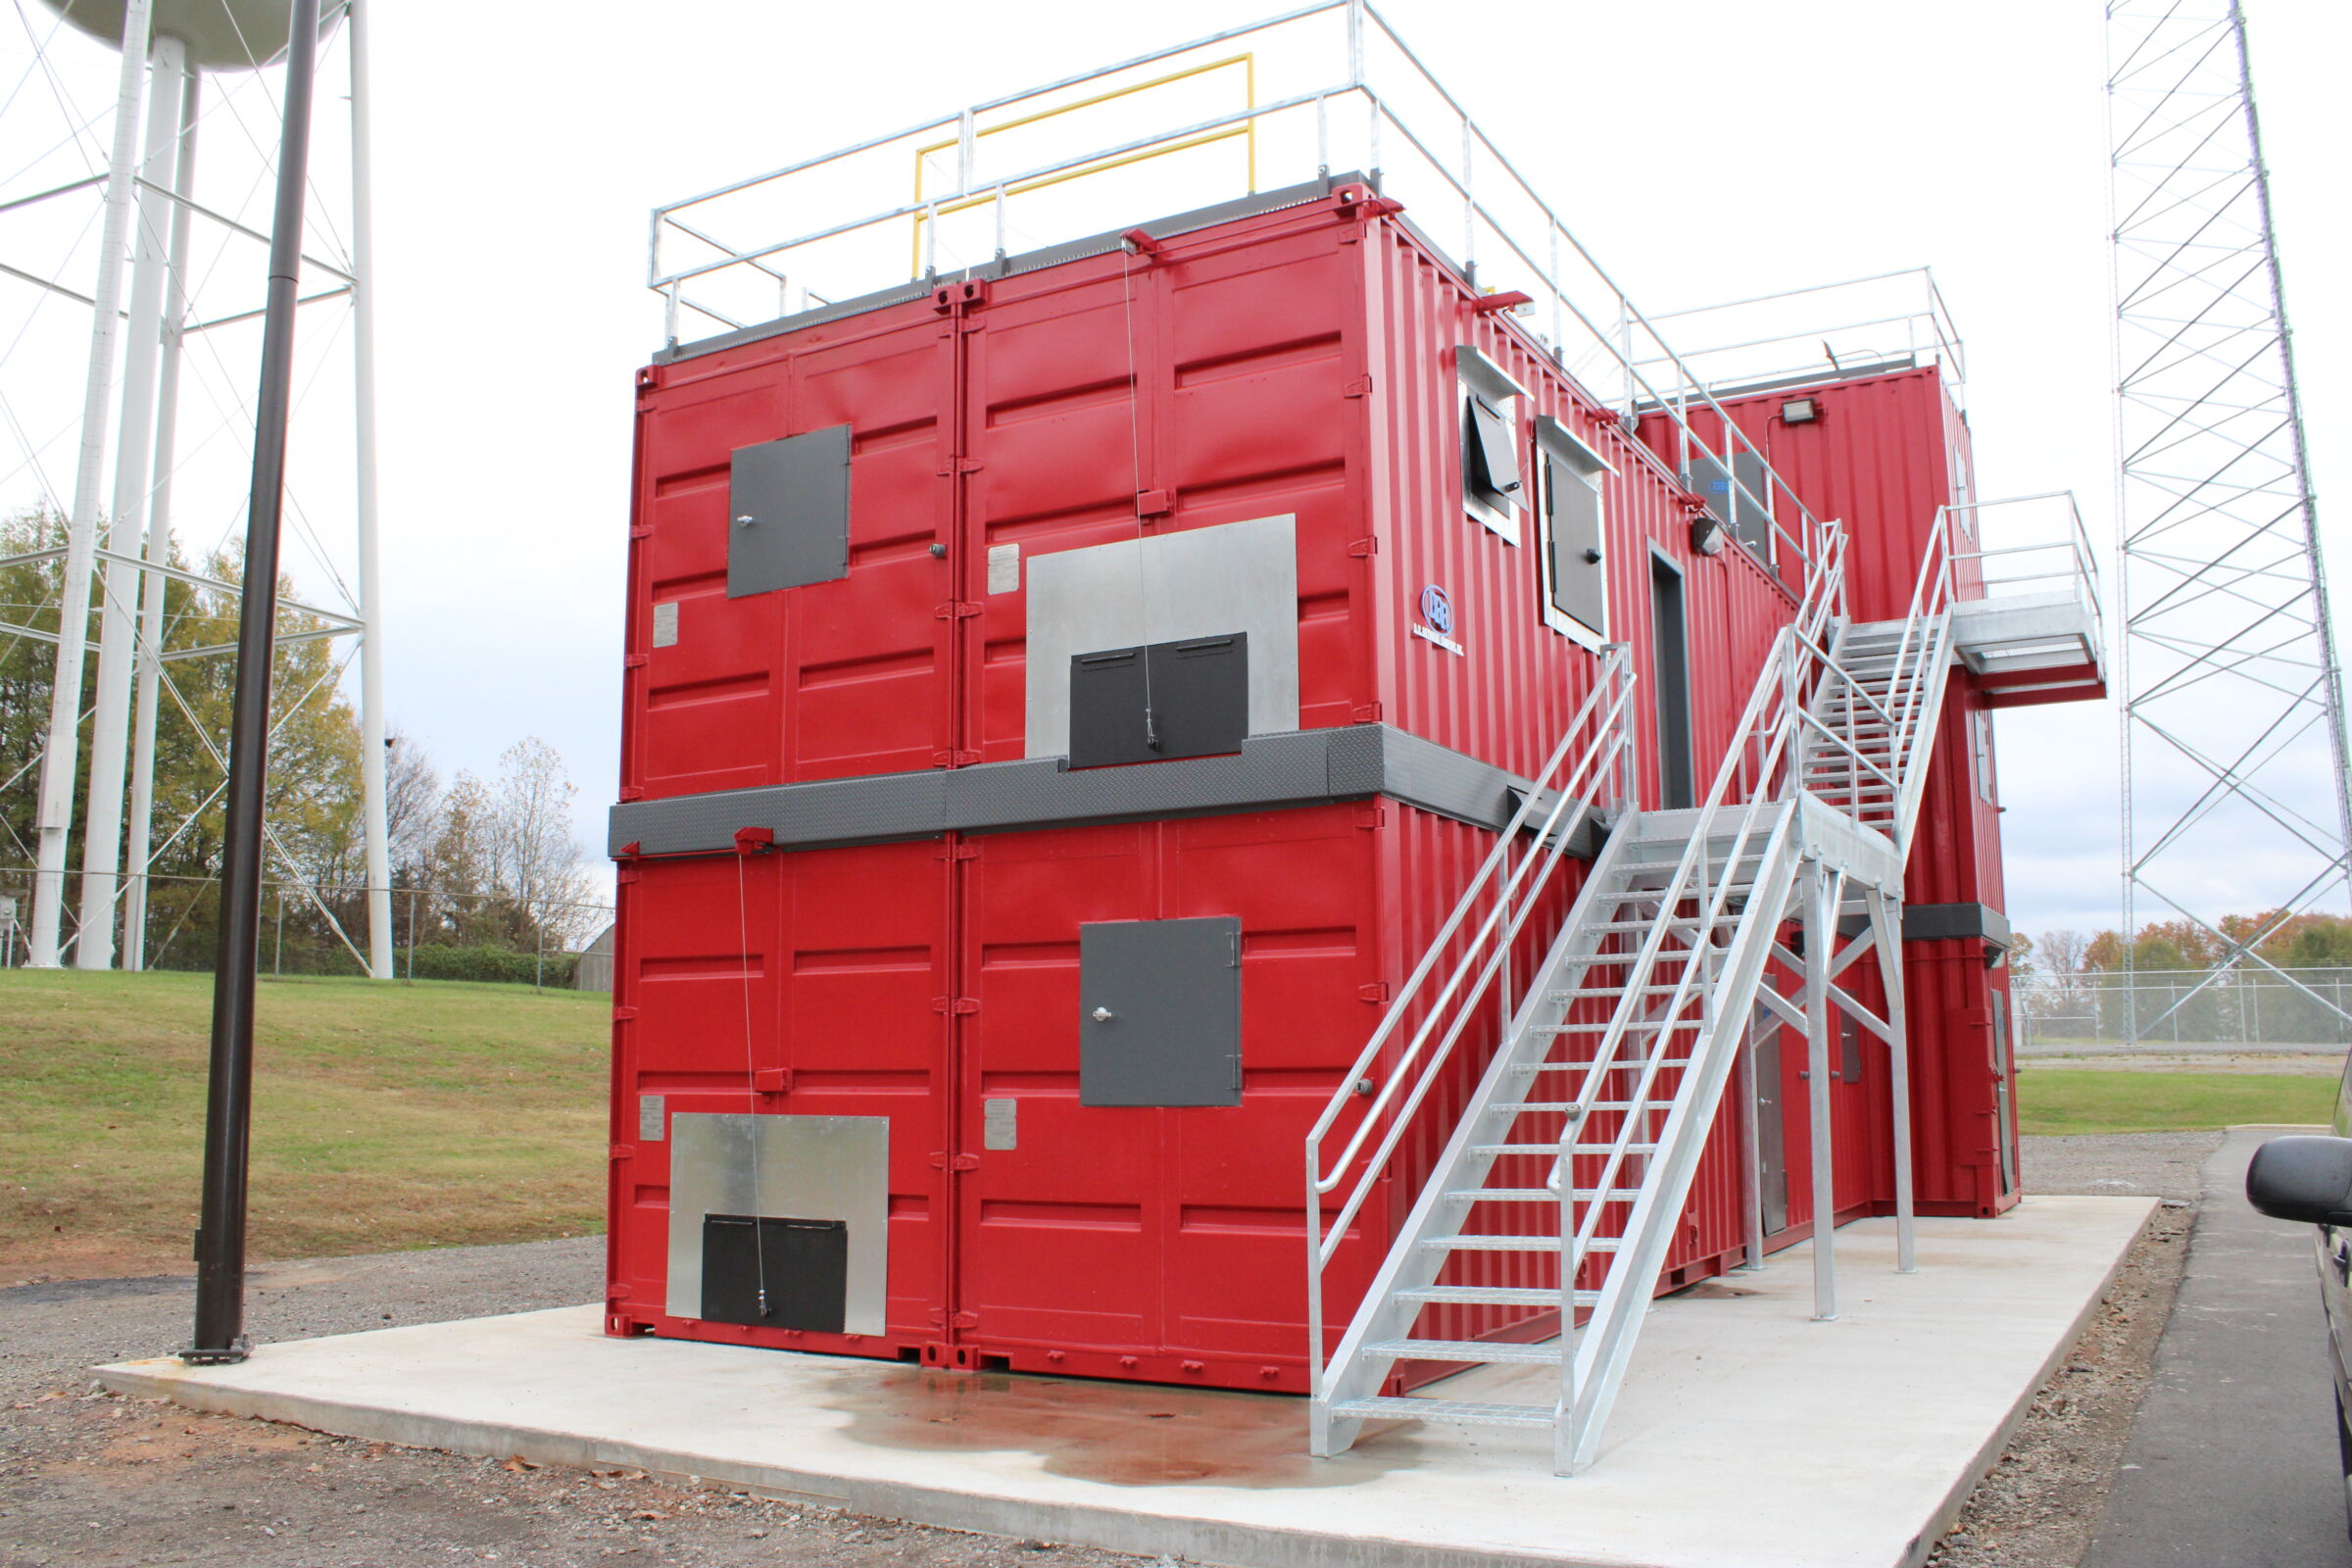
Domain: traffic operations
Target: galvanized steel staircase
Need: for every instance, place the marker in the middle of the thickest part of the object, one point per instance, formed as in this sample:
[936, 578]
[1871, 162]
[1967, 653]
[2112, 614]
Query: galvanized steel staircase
[1576, 1153]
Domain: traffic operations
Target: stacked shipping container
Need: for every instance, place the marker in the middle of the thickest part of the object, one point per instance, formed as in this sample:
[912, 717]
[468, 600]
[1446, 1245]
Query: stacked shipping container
[932, 1042]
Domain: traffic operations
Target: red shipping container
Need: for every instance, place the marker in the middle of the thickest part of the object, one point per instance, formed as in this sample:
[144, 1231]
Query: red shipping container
[865, 872]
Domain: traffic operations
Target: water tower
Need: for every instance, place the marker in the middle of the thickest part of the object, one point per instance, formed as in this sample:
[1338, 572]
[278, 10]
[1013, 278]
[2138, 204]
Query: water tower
[168, 48]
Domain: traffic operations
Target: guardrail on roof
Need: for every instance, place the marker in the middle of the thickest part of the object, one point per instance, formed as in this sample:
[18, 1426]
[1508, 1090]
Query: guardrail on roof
[1326, 86]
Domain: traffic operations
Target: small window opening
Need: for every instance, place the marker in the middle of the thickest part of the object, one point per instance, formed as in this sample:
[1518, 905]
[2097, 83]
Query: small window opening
[1575, 558]
[1494, 466]
[1494, 486]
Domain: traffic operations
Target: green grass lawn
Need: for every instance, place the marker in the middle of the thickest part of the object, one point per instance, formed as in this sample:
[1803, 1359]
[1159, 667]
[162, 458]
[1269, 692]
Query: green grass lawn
[2061, 1099]
[385, 1115]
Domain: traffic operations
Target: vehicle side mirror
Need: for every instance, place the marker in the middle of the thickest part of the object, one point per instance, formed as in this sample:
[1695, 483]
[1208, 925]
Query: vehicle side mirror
[2303, 1178]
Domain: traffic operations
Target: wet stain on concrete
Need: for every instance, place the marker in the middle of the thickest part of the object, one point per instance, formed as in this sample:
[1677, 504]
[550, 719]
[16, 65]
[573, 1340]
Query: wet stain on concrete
[1123, 1434]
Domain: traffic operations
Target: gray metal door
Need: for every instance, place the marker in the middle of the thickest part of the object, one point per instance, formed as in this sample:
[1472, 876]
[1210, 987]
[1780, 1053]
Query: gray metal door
[788, 512]
[1771, 1128]
[2003, 1100]
[1159, 1013]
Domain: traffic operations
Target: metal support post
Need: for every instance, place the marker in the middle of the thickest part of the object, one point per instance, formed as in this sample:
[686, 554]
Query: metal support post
[1887, 922]
[61, 755]
[155, 588]
[221, 1240]
[374, 819]
[1820, 928]
[119, 597]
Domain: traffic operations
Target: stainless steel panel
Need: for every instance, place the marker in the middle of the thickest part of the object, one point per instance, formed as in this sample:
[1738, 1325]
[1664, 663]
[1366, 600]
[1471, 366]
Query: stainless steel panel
[1204, 582]
[790, 1168]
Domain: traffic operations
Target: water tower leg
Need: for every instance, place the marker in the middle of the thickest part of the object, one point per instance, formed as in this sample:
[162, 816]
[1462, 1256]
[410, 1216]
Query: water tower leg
[61, 755]
[159, 542]
[372, 606]
[110, 724]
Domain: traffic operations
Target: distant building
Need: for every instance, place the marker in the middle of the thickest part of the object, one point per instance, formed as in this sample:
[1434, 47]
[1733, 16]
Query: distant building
[594, 970]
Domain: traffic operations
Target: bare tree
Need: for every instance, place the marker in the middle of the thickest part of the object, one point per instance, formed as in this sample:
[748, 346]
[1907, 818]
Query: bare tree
[2062, 953]
[537, 850]
[411, 801]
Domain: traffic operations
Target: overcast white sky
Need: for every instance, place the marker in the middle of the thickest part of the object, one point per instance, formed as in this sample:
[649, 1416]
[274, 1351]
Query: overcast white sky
[1705, 149]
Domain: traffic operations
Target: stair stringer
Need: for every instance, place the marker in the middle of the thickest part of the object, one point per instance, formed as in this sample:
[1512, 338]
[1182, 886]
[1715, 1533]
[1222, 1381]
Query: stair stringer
[1928, 728]
[1605, 1345]
[1410, 1264]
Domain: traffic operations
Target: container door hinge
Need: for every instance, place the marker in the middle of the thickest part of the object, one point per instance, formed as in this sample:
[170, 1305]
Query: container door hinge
[957, 610]
[772, 1080]
[632, 791]
[1154, 503]
[941, 1159]
[1364, 547]
[616, 1291]
[955, 465]
[642, 530]
[967, 1320]
[954, 759]
[620, 1151]
[1377, 992]
[1365, 713]
[625, 873]
[633, 661]
[623, 1014]
[960, 1006]
[1361, 387]
[1372, 818]
[961, 852]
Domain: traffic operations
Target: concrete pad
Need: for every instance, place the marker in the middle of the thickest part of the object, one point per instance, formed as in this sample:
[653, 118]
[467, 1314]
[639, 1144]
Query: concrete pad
[1746, 1434]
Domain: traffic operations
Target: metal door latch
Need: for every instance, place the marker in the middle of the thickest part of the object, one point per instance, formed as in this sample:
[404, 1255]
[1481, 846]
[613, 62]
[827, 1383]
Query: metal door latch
[1103, 1015]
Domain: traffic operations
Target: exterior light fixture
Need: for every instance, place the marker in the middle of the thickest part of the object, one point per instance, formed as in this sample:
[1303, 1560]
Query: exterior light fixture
[1800, 410]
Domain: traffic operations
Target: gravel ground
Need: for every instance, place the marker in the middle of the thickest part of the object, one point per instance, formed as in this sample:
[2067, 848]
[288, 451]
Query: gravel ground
[89, 1479]
[2040, 1502]
[2117, 1164]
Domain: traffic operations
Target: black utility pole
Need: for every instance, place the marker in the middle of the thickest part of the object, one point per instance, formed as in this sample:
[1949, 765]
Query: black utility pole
[229, 1105]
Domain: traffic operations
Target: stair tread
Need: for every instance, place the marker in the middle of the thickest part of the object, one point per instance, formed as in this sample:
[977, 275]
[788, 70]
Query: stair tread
[1393, 1408]
[1493, 1351]
[1530, 1195]
[1491, 1296]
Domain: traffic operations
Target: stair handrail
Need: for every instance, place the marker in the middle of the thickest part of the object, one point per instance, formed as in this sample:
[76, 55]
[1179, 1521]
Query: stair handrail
[1767, 726]
[1930, 619]
[1564, 789]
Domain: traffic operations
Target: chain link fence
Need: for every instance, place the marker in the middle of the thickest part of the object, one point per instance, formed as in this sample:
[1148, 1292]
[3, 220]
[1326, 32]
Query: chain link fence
[2250, 1008]
[307, 929]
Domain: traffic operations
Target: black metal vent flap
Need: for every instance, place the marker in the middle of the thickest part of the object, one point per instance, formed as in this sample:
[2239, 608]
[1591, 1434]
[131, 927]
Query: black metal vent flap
[1189, 698]
[775, 1273]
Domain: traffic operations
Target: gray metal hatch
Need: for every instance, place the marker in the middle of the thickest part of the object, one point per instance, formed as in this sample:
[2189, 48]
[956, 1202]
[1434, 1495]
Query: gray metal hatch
[1159, 1013]
[788, 512]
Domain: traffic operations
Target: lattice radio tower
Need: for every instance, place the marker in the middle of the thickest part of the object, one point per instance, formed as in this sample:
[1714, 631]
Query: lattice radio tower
[2235, 791]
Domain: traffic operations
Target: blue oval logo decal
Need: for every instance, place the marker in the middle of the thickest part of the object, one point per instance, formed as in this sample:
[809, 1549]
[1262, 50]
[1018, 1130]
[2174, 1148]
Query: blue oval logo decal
[1438, 610]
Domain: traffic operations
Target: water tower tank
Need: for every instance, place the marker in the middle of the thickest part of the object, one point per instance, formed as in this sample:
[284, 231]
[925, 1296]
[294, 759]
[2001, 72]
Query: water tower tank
[220, 34]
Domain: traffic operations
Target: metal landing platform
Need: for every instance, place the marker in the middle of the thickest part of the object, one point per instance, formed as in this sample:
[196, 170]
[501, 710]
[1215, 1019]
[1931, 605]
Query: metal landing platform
[1746, 1434]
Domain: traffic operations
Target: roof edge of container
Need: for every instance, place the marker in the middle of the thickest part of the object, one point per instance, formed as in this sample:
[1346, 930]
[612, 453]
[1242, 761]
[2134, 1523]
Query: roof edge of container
[1168, 227]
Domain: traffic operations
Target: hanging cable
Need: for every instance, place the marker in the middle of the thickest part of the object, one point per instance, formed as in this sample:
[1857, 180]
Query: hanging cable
[750, 1077]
